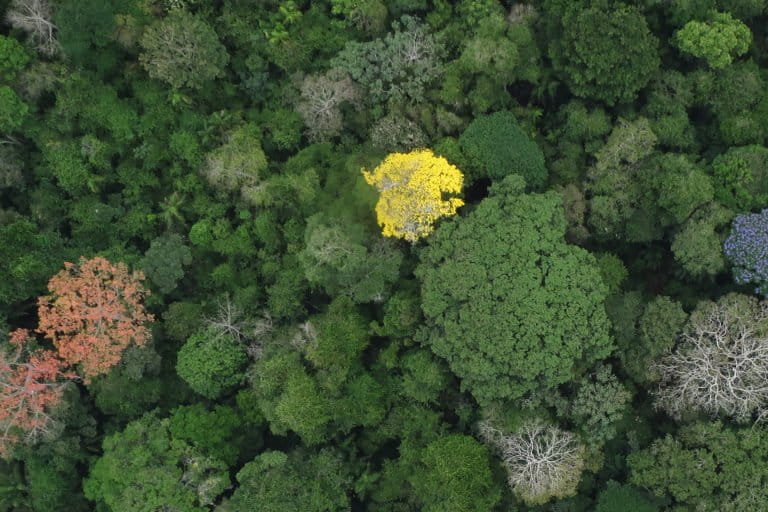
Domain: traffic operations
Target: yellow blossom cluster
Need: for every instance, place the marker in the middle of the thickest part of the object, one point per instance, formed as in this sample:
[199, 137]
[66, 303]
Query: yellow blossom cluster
[411, 188]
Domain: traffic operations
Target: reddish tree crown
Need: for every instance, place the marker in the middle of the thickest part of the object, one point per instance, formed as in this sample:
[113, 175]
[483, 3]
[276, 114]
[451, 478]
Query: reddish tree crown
[31, 386]
[93, 313]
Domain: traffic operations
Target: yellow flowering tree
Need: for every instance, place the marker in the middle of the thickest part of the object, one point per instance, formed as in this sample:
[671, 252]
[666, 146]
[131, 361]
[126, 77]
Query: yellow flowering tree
[411, 188]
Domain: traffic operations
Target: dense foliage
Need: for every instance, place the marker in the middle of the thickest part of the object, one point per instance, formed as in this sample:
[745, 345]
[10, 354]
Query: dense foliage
[385, 256]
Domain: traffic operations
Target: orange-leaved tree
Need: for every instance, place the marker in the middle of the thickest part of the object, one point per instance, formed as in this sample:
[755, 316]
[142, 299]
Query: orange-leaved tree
[411, 188]
[93, 313]
[31, 386]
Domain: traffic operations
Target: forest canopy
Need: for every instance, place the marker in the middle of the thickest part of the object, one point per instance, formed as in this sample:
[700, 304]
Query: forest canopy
[383, 256]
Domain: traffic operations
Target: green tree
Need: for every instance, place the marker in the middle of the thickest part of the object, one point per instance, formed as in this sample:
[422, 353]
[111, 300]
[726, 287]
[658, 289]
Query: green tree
[717, 40]
[741, 177]
[495, 286]
[658, 326]
[736, 95]
[144, 469]
[13, 58]
[706, 466]
[290, 399]
[613, 180]
[275, 482]
[600, 402]
[211, 362]
[13, 111]
[424, 376]
[28, 257]
[495, 146]
[399, 66]
[223, 432]
[456, 476]
[311, 379]
[164, 261]
[236, 165]
[681, 186]
[605, 53]
[698, 245]
[623, 498]
[183, 50]
[343, 259]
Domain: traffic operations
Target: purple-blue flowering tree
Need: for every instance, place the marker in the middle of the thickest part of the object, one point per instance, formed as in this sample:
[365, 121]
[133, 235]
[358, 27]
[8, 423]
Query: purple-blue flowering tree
[747, 249]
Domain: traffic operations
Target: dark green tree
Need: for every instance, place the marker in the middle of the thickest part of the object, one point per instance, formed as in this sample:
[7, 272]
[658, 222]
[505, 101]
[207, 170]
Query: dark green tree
[399, 66]
[495, 146]
[28, 257]
[606, 52]
[223, 432]
[622, 498]
[164, 261]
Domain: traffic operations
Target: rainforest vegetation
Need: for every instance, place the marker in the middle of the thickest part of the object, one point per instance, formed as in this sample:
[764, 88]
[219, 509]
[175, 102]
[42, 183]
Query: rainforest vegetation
[383, 256]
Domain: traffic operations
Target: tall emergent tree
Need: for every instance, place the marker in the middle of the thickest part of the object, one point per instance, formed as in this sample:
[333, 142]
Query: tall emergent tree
[411, 187]
[93, 313]
[509, 304]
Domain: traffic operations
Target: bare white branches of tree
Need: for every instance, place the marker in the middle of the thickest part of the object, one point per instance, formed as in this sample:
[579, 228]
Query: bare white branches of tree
[542, 461]
[34, 17]
[720, 366]
[305, 335]
[321, 98]
[252, 332]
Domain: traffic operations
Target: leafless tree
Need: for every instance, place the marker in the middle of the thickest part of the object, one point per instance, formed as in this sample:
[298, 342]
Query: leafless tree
[230, 320]
[321, 98]
[11, 166]
[236, 165]
[252, 332]
[261, 329]
[542, 461]
[521, 13]
[397, 133]
[34, 17]
[720, 365]
[305, 335]
[203, 476]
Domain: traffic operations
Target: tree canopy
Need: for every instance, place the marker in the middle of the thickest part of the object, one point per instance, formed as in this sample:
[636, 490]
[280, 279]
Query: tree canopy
[505, 303]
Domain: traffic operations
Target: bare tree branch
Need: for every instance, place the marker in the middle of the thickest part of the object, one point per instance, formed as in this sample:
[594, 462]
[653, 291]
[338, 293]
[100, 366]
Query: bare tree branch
[542, 461]
[34, 17]
[721, 363]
